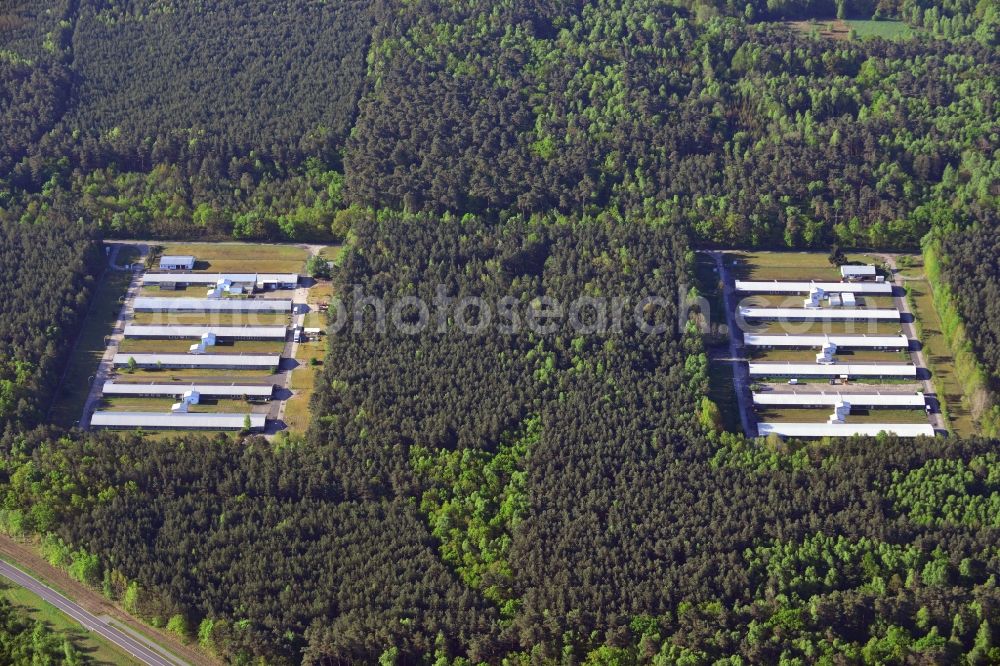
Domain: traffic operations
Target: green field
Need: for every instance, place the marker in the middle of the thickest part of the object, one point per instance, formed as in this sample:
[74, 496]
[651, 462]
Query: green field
[795, 301]
[883, 29]
[201, 290]
[788, 265]
[331, 252]
[871, 381]
[141, 346]
[189, 375]
[140, 404]
[825, 327]
[794, 415]
[242, 257]
[98, 650]
[211, 318]
[303, 380]
[89, 348]
[843, 356]
[939, 359]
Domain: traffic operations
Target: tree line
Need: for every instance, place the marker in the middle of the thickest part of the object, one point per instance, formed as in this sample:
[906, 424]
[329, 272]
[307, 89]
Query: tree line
[48, 269]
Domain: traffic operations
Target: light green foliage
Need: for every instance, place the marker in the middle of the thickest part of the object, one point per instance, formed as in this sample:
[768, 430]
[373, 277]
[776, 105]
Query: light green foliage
[24, 642]
[133, 203]
[822, 563]
[81, 565]
[178, 624]
[318, 267]
[473, 503]
[130, 600]
[951, 491]
[968, 369]
[770, 454]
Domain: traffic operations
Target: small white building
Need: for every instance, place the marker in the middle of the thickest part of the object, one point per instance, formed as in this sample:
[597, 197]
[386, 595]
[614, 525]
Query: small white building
[207, 340]
[815, 296]
[840, 412]
[826, 354]
[849, 300]
[834, 300]
[174, 262]
[857, 272]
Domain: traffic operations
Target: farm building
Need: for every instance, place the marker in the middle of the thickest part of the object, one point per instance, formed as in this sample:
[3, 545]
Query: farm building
[153, 304]
[844, 429]
[175, 421]
[857, 272]
[173, 262]
[249, 281]
[889, 314]
[225, 332]
[803, 399]
[778, 369]
[849, 300]
[247, 391]
[778, 287]
[208, 361]
[844, 341]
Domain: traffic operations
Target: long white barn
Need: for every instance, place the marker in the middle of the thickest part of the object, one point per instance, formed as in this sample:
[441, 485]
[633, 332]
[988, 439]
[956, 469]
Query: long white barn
[824, 314]
[158, 304]
[260, 280]
[778, 287]
[230, 332]
[176, 421]
[846, 341]
[844, 429]
[829, 399]
[254, 391]
[214, 361]
[778, 369]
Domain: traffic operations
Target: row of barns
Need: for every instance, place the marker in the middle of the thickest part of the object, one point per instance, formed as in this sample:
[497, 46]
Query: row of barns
[830, 302]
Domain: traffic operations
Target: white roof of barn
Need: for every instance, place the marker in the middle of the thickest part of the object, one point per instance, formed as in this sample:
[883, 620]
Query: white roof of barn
[159, 304]
[833, 370]
[790, 340]
[177, 259]
[855, 271]
[778, 287]
[844, 429]
[154, 420]
[819, 313]
[202, 360]
[803, 399]
[252, 390]
[213, 278]
[258, 332]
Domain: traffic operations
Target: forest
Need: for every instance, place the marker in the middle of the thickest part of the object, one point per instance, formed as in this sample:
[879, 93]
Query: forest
[474, 497]
[745, 133]
[281, 119]
[47, 272]
[971, 268]
[502, 494]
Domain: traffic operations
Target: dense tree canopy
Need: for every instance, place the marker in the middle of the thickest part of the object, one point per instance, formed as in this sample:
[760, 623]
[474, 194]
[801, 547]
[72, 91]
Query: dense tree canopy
[529, 494]
[749, 134]
[47, 272]
[472, 490]
[972, 269]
